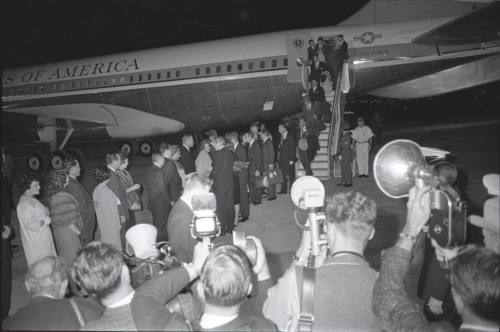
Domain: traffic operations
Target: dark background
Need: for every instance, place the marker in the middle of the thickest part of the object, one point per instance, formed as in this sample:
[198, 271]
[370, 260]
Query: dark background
[40, 31]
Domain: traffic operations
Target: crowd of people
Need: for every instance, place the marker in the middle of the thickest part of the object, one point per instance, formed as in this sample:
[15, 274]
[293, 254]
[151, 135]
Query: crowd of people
[91, 286]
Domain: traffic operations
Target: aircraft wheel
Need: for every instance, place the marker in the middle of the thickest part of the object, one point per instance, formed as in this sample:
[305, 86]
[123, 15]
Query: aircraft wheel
[36, 162]
[146, 148]
[56, 160]
[127, 146]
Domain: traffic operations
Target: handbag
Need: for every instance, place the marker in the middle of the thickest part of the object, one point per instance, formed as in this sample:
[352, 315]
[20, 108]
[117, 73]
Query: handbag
[275, 176]
[303, 145]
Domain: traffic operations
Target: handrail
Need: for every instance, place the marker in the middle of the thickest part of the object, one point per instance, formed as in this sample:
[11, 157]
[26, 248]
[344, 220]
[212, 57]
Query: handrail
[333, 141]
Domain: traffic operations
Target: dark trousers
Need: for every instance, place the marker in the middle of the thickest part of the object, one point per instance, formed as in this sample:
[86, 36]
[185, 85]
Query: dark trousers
[243, 192]
[306, 162]
[225, 210]
[288, 172]
[6, 278]
[346, 168]
[255, 194]
[89, 228]
[160, 212]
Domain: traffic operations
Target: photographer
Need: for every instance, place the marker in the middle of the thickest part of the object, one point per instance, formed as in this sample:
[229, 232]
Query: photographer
[182, 215]
[100, 271]
[474, 276]
[225, 286]
[343, 283]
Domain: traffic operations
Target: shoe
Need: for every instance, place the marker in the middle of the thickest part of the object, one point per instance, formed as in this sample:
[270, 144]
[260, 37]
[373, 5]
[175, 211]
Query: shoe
[256, 203]
[341, 184]
[242, 218]
[282, 193]
[347, 185]
[271, 198]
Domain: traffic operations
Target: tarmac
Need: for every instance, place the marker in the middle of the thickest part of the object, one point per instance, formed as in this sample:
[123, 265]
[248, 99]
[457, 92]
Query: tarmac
[474, 149]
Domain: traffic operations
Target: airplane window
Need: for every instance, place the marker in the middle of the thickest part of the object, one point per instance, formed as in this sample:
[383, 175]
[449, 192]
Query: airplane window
[228, 68]
[20, 91]
[207, 70]
[122, 79]
[41, 88]
[72, 85]
[177, 73]
[149, 76]
[168, 74]
[105, 82]
[113, 81]
[140, 78]
[131, 78]
[250, 66]
[285, 62]
[274, 63]
[197, 71]
[262, 64]
[217, 69]
[158, 76]
[240, 66]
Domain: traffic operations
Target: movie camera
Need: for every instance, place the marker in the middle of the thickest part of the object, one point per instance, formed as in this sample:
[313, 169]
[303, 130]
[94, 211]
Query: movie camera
[400, 165]
[206, 226]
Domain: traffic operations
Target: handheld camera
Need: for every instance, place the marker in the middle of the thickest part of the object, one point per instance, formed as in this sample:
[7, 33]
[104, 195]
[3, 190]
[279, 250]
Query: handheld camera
[205, 224]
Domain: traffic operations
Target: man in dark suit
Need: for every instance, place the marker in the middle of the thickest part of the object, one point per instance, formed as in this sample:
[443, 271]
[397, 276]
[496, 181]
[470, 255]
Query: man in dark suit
[255, 166]
[85, 202]
[159, 202]
[5, 268]
[287, 151]
[317, 68]
[268, 160]
[179, 220]
[6, 183]
[311, 50]
[343, 55]
[187, 156]
[48, 309]
[307, 155]
[170, 173]
[241, 170]
[316, 93]
[223, 163]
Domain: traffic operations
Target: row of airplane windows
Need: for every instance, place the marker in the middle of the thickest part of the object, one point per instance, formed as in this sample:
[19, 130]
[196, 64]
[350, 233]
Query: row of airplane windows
[123, 79]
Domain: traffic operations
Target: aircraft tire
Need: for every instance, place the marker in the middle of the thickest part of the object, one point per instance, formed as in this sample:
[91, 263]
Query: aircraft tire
[56, 159]
[146, 148]
[36, 162]
[127, 146]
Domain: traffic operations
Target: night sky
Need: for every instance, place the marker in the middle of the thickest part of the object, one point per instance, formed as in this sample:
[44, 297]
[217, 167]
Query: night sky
[40, 31]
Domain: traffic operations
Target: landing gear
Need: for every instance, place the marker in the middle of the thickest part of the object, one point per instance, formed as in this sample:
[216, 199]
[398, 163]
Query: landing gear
[37, 162]
[57, 158]
[146, 148]
[127, 147]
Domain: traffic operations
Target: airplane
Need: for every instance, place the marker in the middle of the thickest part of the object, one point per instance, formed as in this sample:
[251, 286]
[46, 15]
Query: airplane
[397, 49]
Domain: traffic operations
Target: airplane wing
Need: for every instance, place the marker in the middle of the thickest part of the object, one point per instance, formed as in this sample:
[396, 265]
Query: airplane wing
[480, 26]
[119, 121]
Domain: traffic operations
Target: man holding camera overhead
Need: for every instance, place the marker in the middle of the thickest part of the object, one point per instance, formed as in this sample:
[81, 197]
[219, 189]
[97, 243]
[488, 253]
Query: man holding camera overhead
[343, 283]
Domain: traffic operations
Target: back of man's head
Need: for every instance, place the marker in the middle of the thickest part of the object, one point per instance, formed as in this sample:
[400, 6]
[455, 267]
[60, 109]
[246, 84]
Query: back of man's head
[475, 278]
[97, 269]
[352, 213]
[225, 276]
[196, 182]
[47, 276]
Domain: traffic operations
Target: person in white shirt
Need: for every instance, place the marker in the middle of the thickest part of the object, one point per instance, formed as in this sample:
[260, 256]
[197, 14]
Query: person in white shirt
[362, 136]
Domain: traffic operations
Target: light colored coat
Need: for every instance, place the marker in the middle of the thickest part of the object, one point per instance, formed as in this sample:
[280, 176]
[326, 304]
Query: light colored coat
[108, 218]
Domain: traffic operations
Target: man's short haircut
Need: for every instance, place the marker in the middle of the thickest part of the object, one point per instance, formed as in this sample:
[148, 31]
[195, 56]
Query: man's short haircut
[233, 136]
[284, 125]
[185, 137]
[97, 269]
[266, 132]
[46, 275]
[203, 143]
[354, 212]
[164, 146]
[220, 140]
[310, 40]
[124, 154]
[225, 276]
[475, 276]
[113, 156]
[156, 156]
[101, 174]
[195, 179]
[69, 163]
[341, 36]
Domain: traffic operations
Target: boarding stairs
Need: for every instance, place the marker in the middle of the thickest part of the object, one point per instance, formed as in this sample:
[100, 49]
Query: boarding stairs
[324, 166]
